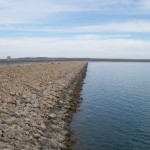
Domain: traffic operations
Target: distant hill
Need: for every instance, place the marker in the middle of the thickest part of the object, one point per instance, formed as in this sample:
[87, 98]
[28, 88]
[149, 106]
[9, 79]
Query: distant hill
[47, 59]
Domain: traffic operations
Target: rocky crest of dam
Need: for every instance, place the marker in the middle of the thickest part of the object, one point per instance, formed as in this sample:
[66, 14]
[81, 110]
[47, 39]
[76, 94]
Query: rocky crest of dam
[36, 104]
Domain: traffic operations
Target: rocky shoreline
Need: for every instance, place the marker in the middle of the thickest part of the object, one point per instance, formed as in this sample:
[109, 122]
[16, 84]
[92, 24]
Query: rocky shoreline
[36, 104]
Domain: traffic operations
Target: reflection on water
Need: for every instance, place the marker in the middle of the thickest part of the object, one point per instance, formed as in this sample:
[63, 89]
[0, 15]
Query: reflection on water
[115, 111]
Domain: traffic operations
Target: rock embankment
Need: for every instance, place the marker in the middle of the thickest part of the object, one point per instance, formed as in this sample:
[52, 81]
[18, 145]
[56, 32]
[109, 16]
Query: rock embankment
[35, 102]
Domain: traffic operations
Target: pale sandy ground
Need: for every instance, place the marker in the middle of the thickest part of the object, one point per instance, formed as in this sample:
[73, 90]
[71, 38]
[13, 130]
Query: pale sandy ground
[33, 102]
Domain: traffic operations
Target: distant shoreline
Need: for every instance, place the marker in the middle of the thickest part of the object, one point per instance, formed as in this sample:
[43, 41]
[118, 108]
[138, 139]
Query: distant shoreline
[46, 59]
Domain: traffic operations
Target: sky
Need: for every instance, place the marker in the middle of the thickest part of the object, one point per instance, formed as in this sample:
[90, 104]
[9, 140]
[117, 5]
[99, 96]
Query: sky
[75, 28]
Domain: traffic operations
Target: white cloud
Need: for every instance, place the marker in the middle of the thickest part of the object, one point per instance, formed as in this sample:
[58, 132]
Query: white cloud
[31, 11]
[99, 37]
[131, 26]
[60, 47]
[138, 26]
[27, 11]
[144, 5]
[2, 2]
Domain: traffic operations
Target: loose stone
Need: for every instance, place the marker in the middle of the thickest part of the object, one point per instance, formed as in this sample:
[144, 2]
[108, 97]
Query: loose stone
[35, 101]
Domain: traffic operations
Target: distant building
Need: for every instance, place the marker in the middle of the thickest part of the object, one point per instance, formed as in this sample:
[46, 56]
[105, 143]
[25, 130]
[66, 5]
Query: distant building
[8, 58]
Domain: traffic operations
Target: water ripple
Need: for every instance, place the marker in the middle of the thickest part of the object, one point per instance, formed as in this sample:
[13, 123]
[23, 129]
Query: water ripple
[115, 112]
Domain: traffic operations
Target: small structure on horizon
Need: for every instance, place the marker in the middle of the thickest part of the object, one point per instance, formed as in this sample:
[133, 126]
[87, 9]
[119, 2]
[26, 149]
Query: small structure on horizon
[8, 58]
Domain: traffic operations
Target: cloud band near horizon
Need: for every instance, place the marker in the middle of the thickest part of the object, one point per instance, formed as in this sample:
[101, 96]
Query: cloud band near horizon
[73, 28]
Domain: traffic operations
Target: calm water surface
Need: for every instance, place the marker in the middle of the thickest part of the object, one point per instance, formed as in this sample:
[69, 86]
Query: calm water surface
[115, 111]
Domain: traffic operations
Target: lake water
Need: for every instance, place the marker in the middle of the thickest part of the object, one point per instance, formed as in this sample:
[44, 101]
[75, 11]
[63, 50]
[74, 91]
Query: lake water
[115, 110]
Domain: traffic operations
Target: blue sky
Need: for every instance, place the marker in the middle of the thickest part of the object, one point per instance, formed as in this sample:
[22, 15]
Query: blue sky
[75, 28]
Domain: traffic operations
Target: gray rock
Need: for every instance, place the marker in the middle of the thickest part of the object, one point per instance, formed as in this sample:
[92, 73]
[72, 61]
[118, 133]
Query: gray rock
[10, 121]
[5, 146]
[24, 96]
[52, 115]
[54, 143]
[27, 119]
[56, 128]
[17, 114]
[17, 102]
[61, 102]
[12, 93]
[6, 149]
[24, 112]
[36, 135]
[64, 132]
[35, 104]
[43, 127]
[43, 139]
[0, 133]
[34, 114]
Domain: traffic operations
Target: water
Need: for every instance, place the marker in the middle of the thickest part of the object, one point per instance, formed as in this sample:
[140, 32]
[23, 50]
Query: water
[115, 111]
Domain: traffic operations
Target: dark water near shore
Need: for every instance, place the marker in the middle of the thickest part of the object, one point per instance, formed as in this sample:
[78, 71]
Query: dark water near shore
[115, 111]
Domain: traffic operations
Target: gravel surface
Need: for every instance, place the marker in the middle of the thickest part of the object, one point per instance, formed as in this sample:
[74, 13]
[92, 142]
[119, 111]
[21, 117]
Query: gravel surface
[35, 100]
